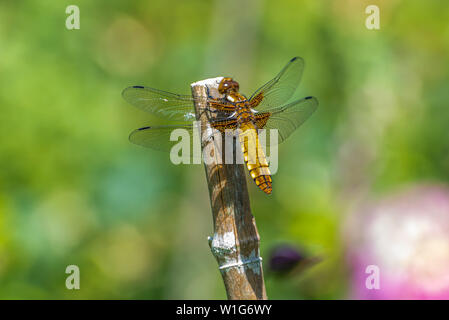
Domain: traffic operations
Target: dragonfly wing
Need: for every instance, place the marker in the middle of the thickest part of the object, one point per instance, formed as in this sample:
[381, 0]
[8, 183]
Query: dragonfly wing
[158, 137]
[161, 103]
[164, 138]
[286, 119]
[280, 89]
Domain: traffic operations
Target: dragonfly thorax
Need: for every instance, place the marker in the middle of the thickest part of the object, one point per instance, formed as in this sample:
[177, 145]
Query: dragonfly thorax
[235, 97]
[230, 88]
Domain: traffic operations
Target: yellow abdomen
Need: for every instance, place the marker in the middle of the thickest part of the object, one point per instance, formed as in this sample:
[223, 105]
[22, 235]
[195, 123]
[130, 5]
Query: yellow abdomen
[254, 156]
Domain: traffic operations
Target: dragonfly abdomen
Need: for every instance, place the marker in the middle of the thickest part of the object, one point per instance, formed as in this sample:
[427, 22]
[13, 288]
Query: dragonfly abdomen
[262, 177]
[254, 157]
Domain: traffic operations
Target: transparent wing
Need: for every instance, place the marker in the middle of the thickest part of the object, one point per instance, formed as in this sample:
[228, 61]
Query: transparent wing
[280, 89]
[286, 119]
[158, 137]
[161, 103]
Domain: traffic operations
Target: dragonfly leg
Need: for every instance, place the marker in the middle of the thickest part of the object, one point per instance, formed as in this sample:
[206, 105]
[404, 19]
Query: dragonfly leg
[209, 112]
[209, 97]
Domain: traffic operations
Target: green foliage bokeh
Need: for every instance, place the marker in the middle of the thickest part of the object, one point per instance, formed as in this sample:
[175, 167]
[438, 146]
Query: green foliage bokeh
[73, 190]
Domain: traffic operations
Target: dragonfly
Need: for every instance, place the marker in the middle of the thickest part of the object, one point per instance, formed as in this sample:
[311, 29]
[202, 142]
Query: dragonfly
[266, 108]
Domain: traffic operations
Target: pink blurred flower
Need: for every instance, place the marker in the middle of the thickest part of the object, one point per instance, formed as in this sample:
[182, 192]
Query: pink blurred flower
[407, 237]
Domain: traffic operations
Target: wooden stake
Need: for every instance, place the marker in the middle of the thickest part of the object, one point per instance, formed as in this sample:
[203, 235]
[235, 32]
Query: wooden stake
[235, 243]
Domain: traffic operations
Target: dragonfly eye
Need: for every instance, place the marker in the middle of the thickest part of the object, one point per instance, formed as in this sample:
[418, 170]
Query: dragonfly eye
[228, 84]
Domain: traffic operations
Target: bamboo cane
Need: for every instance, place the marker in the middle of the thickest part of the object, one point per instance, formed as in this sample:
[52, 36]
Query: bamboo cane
[235, 243]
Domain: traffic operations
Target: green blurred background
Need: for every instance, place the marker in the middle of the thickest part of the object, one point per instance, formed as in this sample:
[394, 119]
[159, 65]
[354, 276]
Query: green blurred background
[73, 190]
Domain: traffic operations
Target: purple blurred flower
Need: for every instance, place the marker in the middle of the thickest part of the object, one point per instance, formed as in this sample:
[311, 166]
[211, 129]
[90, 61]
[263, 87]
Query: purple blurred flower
[287, 260]
[284, 258]
[406, 237]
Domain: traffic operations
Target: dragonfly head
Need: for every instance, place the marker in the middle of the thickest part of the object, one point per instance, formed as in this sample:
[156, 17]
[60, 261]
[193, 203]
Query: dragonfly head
[227, 85]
